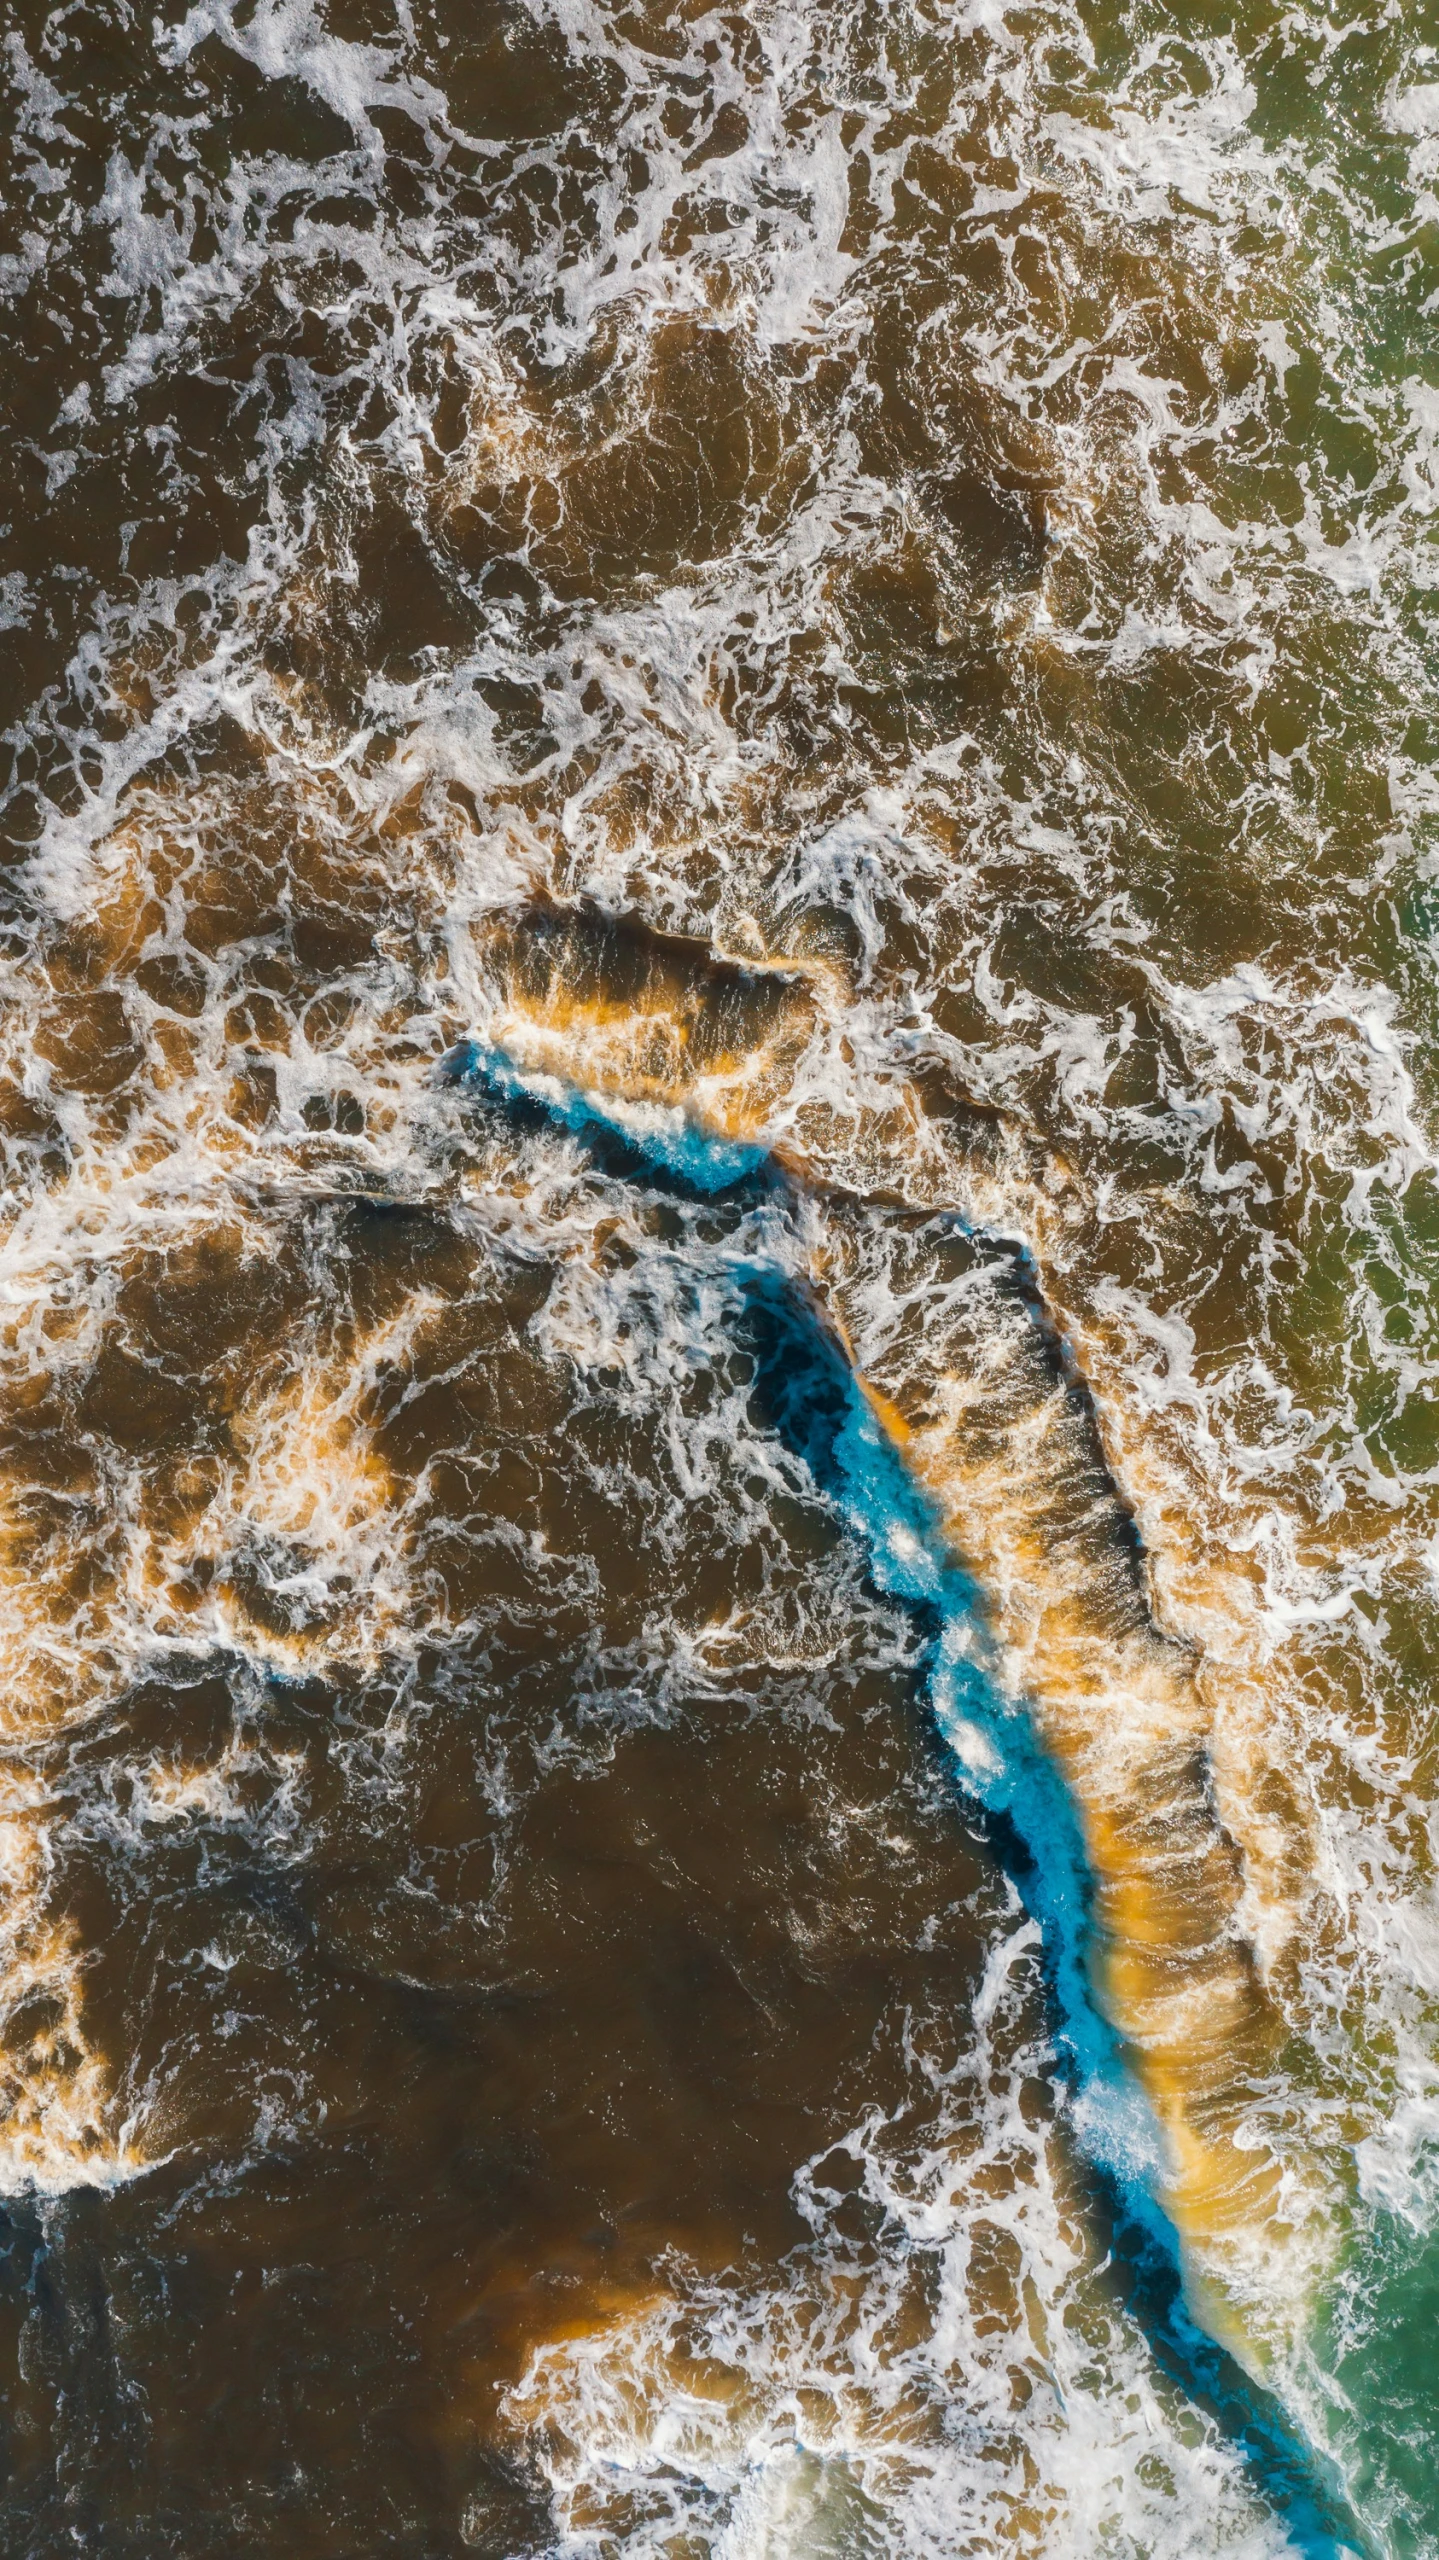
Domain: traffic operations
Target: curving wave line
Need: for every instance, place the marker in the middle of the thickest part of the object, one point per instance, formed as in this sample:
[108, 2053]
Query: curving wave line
[974, 1463]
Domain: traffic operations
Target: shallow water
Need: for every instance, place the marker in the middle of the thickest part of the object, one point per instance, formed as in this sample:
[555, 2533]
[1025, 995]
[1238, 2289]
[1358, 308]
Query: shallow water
[718, 1420]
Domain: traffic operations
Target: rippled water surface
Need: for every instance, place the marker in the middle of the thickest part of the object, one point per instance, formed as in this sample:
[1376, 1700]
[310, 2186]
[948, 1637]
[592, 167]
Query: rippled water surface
[719, 1401]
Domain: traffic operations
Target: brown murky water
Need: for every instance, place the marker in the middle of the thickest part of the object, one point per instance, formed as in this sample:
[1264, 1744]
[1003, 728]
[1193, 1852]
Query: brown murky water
[558, 1987]
[717, 1394]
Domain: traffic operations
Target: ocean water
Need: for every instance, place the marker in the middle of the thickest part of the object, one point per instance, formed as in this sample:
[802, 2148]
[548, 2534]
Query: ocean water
[719, 1400]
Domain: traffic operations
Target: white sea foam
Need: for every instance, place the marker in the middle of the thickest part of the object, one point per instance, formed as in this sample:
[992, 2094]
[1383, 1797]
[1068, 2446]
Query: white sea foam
[1225, 1122]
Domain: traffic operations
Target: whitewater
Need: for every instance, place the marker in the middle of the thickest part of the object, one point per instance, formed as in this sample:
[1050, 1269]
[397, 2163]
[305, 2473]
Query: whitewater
[719, 1453]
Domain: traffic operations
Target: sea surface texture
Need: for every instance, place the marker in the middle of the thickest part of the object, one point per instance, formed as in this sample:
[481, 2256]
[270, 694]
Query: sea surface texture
[719, 1380]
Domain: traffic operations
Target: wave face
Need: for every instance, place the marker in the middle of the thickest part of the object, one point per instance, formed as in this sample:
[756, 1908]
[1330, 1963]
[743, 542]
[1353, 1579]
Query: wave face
[719, 1419]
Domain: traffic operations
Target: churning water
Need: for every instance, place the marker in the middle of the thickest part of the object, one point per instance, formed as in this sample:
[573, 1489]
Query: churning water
[719, 1402]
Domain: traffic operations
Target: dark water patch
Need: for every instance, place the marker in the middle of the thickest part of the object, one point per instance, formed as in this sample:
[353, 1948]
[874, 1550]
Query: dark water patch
[689, 1950]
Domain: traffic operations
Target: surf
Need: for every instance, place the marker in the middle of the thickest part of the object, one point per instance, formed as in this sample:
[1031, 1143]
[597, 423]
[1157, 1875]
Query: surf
[972, 1393]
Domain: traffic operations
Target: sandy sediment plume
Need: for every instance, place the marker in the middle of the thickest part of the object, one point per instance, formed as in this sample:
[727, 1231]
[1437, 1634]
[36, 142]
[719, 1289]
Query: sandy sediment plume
[953, 1345]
